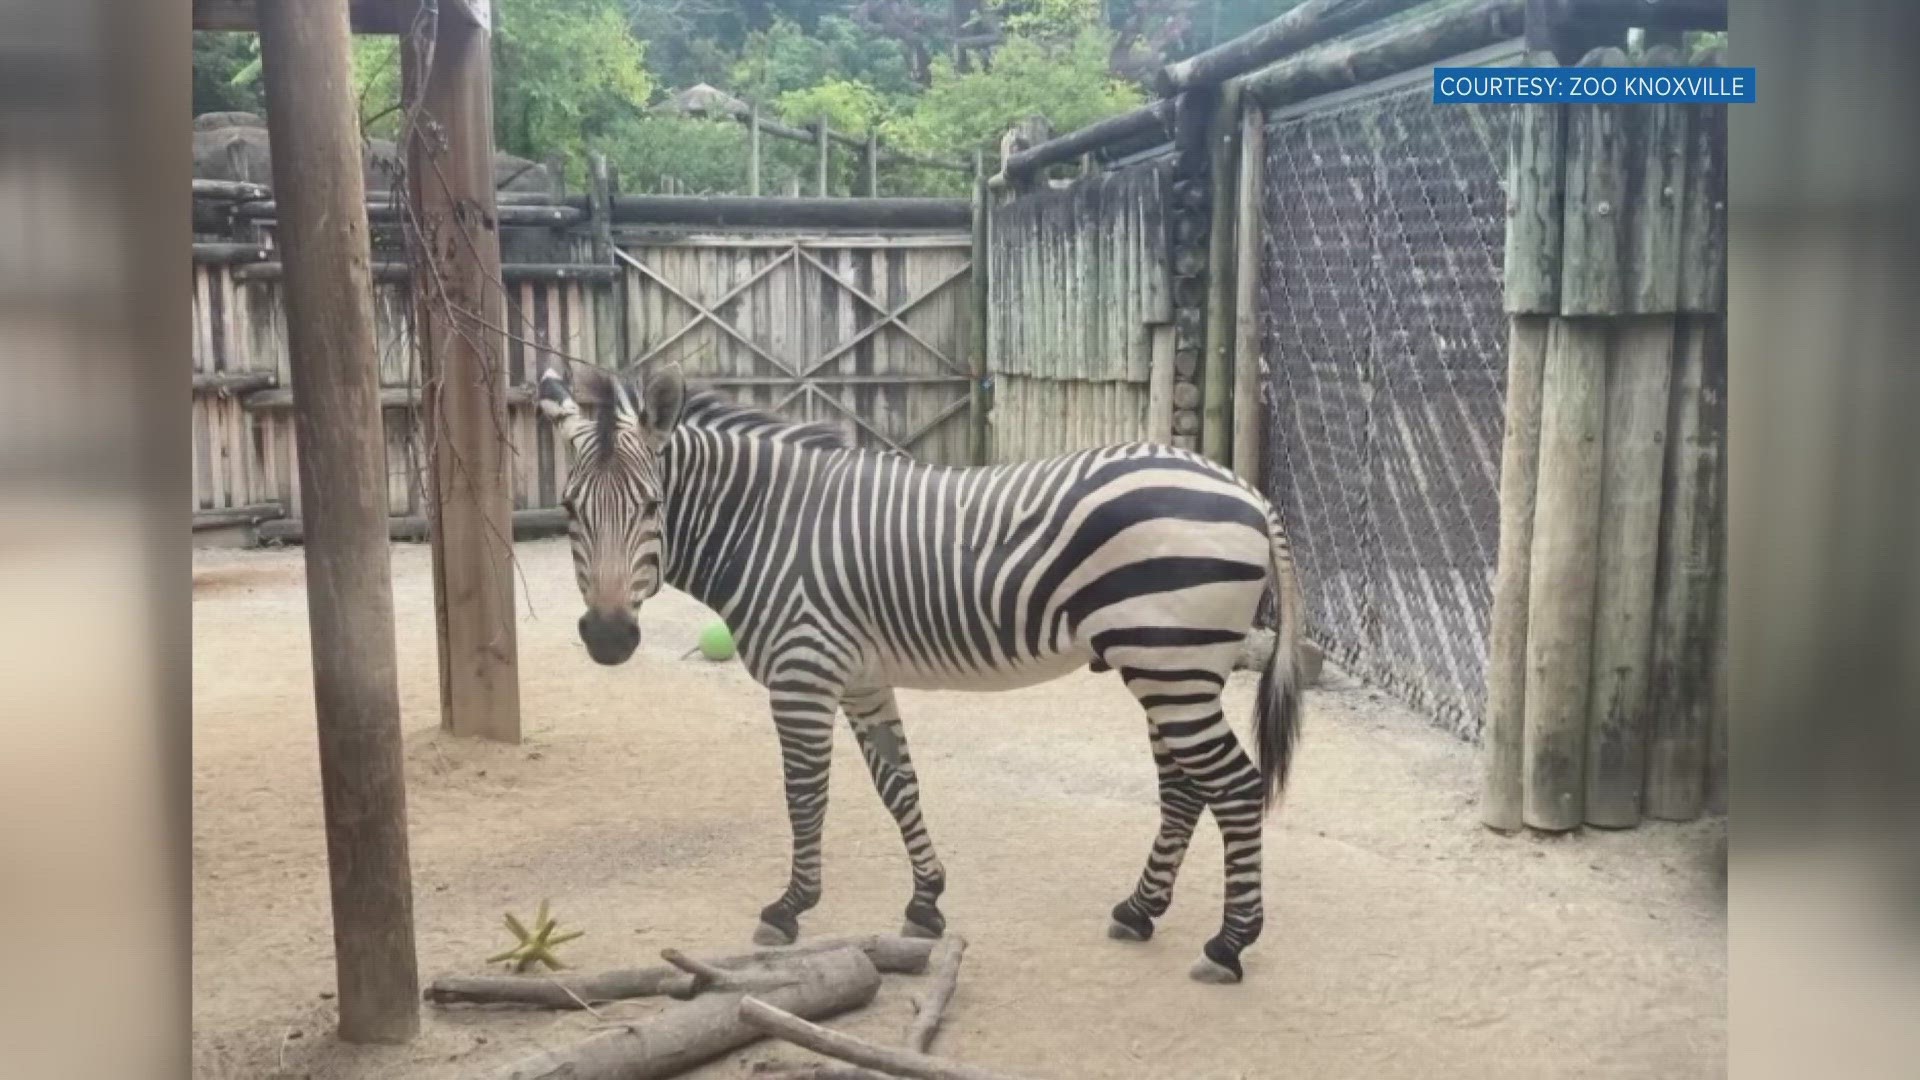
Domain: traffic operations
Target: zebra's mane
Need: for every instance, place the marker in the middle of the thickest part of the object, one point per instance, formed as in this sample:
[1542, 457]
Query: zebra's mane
[709, 409]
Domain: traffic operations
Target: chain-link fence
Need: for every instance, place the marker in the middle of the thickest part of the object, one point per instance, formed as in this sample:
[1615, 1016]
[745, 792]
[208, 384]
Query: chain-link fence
[1384, 349]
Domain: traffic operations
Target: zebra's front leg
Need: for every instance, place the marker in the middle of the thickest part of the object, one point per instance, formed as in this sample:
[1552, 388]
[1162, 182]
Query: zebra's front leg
[875, 718]
[1181, 804]
[804, 720]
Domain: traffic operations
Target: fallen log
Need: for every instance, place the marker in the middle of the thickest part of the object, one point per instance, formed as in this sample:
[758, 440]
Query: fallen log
[926, 1022]
[760, 1012]
[698, 1031]
[887, 952]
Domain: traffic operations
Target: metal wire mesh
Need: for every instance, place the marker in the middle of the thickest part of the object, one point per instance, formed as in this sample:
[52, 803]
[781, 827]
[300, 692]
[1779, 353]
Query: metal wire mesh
[1384, 362]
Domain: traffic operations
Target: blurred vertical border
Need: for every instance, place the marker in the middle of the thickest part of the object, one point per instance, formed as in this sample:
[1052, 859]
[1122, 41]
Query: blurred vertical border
[1824, 540]
[94, 582]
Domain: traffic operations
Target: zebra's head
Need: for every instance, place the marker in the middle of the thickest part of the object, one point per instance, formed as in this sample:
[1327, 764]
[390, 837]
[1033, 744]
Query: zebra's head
[614, 490]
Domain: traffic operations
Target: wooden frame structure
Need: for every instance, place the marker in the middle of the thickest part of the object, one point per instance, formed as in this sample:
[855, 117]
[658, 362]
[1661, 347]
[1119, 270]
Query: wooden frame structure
[306, 62]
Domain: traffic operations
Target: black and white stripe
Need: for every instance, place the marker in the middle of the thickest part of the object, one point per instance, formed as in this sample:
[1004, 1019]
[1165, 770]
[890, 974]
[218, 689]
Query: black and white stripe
[845, 573]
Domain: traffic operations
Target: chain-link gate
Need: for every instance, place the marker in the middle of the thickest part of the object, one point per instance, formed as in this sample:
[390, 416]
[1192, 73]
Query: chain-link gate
[1384, 348]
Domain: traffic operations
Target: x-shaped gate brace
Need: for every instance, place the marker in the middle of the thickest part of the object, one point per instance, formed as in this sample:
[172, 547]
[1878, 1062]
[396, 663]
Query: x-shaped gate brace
[893, 317]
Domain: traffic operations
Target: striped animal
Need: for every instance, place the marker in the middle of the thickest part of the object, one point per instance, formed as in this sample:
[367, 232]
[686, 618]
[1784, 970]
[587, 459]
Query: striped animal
[846, 573]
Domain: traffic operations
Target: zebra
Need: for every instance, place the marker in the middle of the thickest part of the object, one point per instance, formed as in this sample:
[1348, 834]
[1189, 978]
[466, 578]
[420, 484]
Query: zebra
[845, 574]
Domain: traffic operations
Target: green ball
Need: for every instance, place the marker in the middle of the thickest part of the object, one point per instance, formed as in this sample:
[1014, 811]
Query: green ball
[716, 642]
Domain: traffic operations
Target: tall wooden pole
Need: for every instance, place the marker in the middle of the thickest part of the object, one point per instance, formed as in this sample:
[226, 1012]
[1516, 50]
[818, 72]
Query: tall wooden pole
[306, 60]
[978, 451]
[461, 312]
[1251, 191]
[823, 145]
[753, 149]
[1216, 381]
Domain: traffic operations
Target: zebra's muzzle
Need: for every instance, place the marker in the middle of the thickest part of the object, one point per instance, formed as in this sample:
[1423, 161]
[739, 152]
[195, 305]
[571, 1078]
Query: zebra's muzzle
[609, 639]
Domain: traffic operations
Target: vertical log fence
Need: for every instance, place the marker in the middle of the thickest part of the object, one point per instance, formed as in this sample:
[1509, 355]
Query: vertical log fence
[1566, 564]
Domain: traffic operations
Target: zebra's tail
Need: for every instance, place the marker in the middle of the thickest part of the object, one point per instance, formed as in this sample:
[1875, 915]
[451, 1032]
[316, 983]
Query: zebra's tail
[1276, 711]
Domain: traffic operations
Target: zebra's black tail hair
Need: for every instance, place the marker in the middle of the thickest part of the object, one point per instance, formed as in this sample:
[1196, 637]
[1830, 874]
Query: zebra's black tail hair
[1276, 710]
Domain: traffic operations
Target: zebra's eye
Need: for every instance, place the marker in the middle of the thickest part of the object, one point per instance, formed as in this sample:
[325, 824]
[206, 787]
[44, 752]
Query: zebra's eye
[649, 506]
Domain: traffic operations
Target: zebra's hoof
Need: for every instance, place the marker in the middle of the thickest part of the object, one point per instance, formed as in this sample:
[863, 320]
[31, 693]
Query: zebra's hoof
[768, 935]
[912, 929]
[1120, 931]
[1207, 971]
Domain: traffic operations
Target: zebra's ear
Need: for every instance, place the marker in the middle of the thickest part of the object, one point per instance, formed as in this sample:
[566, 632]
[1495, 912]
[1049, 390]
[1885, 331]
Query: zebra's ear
[665, 396]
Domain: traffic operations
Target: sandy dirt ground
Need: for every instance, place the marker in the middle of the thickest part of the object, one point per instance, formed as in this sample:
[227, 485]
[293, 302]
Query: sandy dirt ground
[1402, 939]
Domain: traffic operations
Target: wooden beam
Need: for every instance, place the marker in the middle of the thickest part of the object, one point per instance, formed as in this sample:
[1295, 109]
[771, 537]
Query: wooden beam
[460, 316]
[978, 450]
[365, 16]
[1155, 119]
[308, 68]
[223, 254]
[1216, 381]
[737, 211]
[510, 273]
[527, 525]
[1309, 24]
[1390, 50]
[1248, 415]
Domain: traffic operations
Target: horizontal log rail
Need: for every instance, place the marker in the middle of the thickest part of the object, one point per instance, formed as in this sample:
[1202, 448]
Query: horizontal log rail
[1390, 50]
[741, 211]
[510, 273]
[227, 517]
[1154, 119]
[528, 524]
[548, 214]
[1309, 24]
[213, 253]
[391, 397]
[234, 382]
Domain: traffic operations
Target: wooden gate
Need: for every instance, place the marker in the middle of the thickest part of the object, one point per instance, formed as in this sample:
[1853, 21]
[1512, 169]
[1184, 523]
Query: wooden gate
[868, 331]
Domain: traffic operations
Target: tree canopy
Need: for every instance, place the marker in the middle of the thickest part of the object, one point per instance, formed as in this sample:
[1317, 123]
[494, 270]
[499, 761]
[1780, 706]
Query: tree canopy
[937, 77]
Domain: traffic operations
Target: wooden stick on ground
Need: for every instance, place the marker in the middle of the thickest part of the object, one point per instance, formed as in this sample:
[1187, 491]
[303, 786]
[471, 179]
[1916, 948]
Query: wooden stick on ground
[887, 952]
[683, 1036]
[926, 1022]
[773, 1020]
[708, 976]
[946, 976]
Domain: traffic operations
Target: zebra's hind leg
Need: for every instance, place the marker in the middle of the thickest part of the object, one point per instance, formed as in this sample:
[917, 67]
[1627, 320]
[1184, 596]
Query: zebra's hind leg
[875, 718]
[1194, 731]
[804, 719]
[1181, 804]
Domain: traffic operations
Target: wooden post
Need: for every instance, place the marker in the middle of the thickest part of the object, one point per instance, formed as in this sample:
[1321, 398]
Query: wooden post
[461, 308]
[1247, 411]
[1505, 718]
[1638, 388]
[307, 64]
[1638, 396]
[1685, 610]
[753, 148]
[1535, 156]
[978, 452]
[870, 166]
[823, 144]
[609, 302]
[1561, 570]
[1223, 131]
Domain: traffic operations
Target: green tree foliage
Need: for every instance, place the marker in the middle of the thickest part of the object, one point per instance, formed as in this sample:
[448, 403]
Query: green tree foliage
[848, 104]
[1067, 83]
[938, 78]
[218, 59]
[564, 72]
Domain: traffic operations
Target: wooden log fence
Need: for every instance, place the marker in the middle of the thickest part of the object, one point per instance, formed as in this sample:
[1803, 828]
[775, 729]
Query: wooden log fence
[1600, 706]
[1601, 678]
